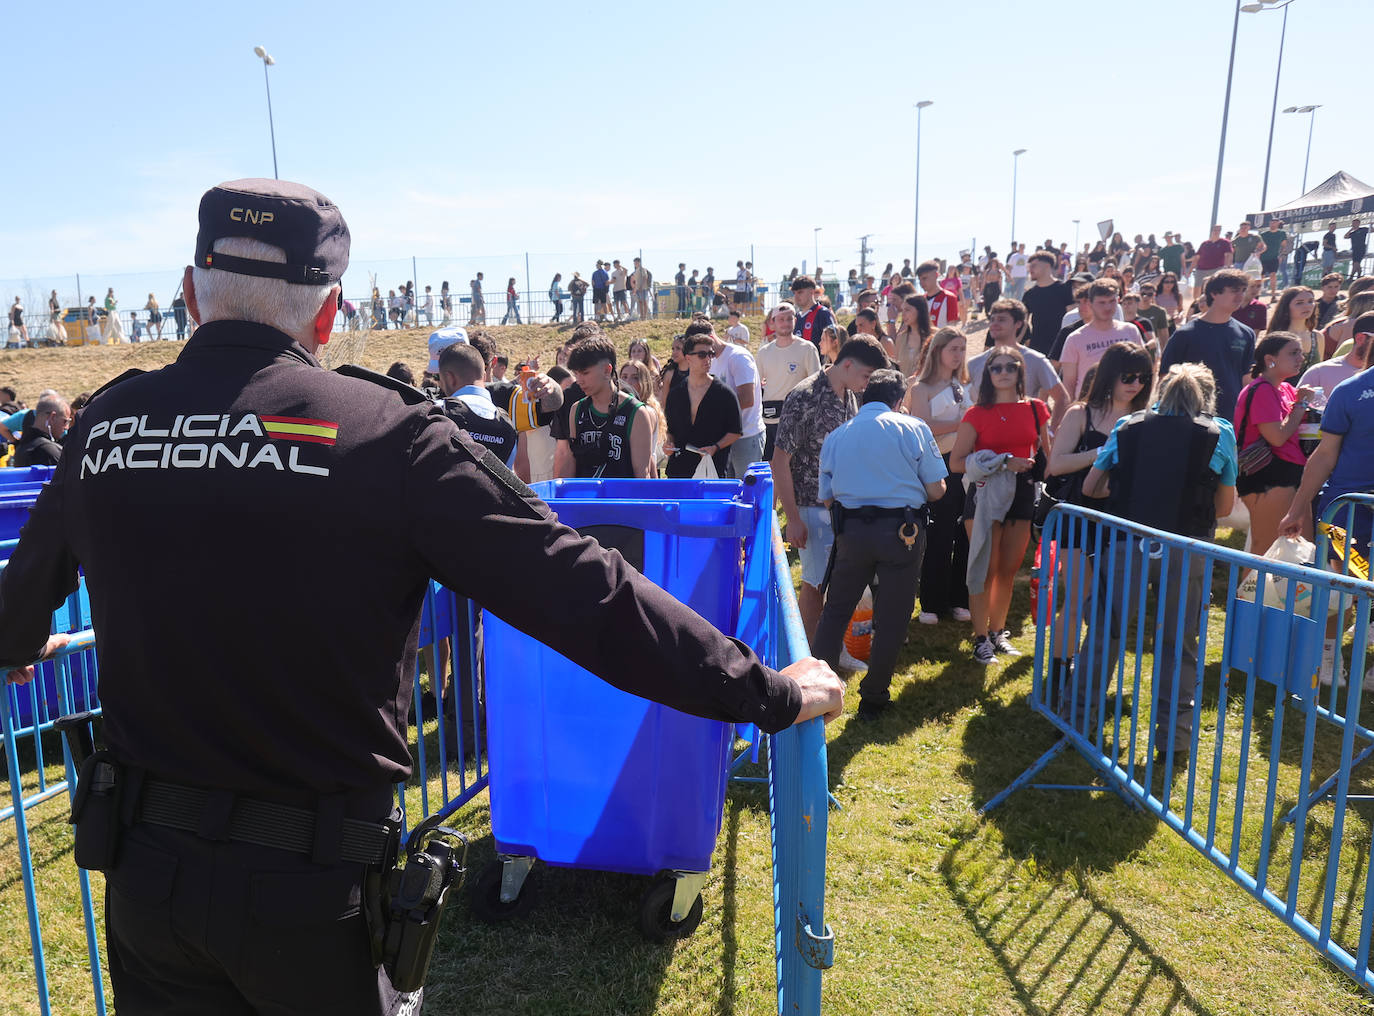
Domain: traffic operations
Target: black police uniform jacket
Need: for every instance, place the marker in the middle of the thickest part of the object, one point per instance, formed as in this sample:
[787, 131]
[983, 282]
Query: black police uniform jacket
[256, 534]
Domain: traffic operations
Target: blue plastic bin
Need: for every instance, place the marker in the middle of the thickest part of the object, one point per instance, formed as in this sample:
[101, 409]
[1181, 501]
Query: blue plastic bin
[15, 503]
[26, 476]
[584, 775]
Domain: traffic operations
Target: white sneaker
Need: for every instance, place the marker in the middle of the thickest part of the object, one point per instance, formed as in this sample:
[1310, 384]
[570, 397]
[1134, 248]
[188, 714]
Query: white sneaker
[925, 617]
[848, 662]
[962, 614]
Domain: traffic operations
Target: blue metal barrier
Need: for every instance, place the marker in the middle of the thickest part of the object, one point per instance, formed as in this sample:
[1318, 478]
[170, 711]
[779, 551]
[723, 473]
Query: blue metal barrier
[797, 774]
[72, 672]
[1216, 626]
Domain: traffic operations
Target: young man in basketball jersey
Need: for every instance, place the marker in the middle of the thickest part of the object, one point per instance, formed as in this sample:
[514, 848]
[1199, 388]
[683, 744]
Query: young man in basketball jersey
[608, 434]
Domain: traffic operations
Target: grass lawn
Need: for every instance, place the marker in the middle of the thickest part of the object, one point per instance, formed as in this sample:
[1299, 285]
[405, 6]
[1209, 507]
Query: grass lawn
[1055, 904]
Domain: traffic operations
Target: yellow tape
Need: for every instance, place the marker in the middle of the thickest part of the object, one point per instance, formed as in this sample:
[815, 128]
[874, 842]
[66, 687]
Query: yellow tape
[1359, 567]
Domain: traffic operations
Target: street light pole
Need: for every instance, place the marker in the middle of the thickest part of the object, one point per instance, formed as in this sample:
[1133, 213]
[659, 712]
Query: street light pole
[1311, 121]
[1075, 237]
[1015, 160]
[1225, 115]
[267, 62]
[816, 238]
[916, 226]
[1253, 8]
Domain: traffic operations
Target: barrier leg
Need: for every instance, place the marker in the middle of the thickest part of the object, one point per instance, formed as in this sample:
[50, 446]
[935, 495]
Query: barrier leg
[1324, 791]
[21, 835]
[1031, 772]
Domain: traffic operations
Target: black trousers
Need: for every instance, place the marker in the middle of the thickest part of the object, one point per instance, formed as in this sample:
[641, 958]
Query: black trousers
[944, 581]
[204, 928]
[865, 552]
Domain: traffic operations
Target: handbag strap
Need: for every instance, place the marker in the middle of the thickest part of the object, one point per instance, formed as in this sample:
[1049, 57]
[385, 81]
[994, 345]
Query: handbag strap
[1245, 413]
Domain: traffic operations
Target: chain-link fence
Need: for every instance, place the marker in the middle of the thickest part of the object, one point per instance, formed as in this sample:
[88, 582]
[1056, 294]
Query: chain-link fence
[707, 271]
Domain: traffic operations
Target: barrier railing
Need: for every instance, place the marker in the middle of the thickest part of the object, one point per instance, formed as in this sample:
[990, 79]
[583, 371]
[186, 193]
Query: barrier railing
[63, 685]
[1203, 664]
[452, 752]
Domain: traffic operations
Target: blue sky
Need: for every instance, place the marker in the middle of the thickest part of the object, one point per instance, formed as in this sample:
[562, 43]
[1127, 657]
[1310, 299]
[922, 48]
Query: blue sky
[466, 136]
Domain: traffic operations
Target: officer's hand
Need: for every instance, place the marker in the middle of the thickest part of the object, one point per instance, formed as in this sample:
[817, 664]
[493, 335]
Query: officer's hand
[822, 690]
[23, 675]
[795, 533]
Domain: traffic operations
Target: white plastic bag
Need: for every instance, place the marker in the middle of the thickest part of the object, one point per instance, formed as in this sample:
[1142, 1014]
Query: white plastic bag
[1287, 550]
[1252, 266]
[706, 468]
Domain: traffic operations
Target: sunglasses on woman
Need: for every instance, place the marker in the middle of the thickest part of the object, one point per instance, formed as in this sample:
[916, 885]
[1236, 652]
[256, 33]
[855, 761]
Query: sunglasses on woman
[1130, 379]
[1005, 367]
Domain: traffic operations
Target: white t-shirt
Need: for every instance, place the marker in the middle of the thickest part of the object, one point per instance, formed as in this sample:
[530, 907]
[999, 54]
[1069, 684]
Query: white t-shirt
[784, 369]
[735, 366]
[1017, 264]
[620, 279]
[738, 334]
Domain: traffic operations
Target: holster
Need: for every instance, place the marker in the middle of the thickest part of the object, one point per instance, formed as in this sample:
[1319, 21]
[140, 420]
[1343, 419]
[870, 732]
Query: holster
[96, 812]
[404, 905]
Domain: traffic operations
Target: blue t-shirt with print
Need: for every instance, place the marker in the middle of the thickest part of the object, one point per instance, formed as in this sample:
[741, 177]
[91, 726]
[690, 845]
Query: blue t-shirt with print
[1350, 413]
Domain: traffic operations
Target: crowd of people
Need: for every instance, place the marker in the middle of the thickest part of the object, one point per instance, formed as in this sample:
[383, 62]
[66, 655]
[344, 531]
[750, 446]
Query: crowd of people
[1014, 414]
[897, 423]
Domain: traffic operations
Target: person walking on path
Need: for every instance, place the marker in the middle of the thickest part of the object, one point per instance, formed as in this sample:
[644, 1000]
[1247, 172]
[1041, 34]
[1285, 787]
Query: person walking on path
[512, 303]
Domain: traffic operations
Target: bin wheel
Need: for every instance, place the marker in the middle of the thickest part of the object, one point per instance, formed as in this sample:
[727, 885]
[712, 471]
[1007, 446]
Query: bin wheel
[486, 896]
[656, 913]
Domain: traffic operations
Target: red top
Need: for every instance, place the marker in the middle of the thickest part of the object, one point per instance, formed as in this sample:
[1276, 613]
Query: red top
[1011, 427]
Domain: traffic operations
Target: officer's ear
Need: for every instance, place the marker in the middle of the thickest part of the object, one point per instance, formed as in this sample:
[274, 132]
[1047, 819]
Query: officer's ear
[323, 325]
[189, 289]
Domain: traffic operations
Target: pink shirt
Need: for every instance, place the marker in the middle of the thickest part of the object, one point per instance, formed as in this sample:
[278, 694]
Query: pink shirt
[1271, 405]
[1085, 346]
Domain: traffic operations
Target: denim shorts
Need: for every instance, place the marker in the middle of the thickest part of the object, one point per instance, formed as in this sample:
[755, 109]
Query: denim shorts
[820, 537]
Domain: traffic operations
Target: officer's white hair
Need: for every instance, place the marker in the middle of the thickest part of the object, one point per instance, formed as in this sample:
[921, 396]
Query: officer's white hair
[227, 296]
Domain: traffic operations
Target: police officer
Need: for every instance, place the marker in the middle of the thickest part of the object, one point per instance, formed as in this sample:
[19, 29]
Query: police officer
[878, 472]
[256, 534]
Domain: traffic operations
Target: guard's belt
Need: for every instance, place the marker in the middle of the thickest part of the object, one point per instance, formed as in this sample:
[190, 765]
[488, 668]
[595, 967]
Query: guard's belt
[871, 513]
[264, 823]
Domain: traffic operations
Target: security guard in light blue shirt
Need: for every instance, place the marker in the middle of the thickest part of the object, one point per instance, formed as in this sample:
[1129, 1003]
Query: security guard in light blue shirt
[877, 473]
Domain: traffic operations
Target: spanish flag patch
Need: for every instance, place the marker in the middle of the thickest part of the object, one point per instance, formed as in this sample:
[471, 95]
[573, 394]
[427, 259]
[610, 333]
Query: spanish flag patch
[296, 428]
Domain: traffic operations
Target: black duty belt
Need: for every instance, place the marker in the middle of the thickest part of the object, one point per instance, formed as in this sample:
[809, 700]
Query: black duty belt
[871, 513]
[264, 823]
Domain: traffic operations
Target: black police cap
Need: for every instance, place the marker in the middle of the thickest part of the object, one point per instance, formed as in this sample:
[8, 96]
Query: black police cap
[301, 221]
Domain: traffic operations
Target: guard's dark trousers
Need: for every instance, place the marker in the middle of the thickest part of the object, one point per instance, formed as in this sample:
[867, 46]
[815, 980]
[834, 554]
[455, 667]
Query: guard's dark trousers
[205, 928]
[866, 551]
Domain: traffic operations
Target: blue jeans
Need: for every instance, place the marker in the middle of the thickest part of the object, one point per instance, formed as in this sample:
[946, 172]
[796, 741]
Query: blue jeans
[512, 310]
